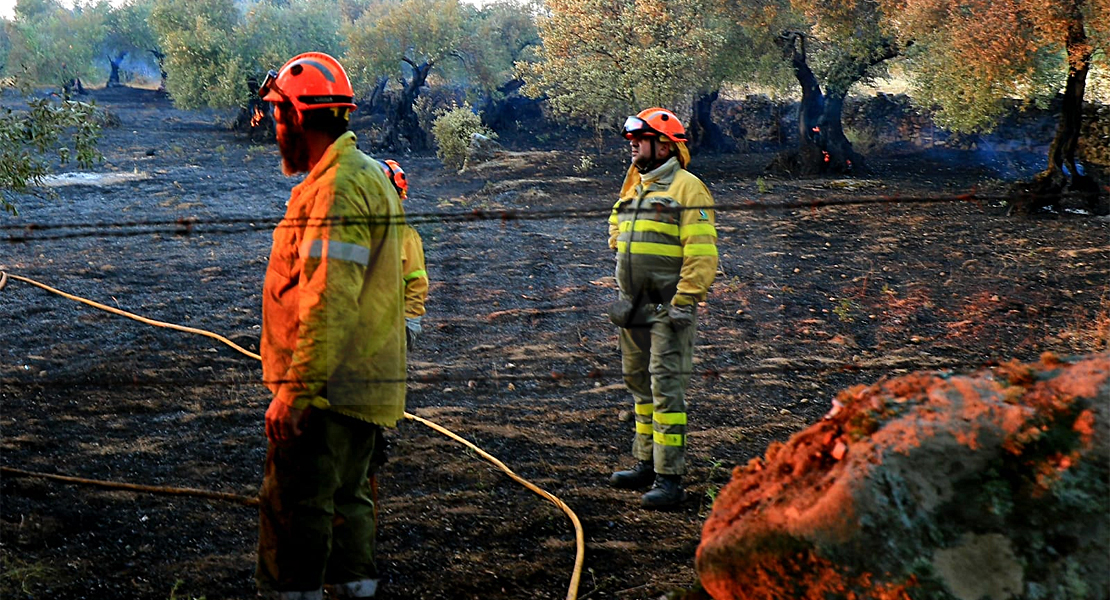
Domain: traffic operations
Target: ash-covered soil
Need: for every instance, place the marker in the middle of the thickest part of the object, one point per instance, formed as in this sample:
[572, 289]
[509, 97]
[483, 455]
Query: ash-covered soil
[517, 353]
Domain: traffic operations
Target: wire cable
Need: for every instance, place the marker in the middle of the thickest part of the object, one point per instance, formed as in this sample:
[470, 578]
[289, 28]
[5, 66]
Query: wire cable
[193, 226]
[135, 487]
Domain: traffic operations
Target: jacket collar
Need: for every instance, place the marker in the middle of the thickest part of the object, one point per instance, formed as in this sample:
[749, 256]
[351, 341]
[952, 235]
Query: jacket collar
[339, 147]
[663, 174]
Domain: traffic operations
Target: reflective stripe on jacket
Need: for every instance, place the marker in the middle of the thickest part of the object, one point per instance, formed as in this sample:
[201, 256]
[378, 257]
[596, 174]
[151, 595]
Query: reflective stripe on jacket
[414, 273]
[333, 330]
[665, 238]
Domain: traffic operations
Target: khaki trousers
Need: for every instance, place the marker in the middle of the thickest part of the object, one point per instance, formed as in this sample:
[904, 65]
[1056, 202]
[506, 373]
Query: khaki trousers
[656, 360]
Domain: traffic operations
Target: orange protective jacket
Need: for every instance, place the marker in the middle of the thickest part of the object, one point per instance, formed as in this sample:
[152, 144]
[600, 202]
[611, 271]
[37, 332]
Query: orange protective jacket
[333, 329]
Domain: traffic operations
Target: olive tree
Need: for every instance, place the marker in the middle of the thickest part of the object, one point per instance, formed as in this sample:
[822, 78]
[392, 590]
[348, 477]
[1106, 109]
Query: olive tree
[54, 45]
[602, 59]
[196, 37]
[214, 50]
[972, 55]
[49, 129]
[403, 42]
[127, 32]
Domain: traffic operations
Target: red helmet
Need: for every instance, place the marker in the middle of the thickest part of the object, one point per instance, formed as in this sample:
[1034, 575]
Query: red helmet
[657, 122]
[309, 81]
[396, 175]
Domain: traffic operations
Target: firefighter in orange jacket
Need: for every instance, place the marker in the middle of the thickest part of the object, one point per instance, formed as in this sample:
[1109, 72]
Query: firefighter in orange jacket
[413, 270]
[662, 229]
[333, 345]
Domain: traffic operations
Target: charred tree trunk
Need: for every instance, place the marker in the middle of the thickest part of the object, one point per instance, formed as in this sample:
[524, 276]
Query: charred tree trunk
[405, 123]
[837, 152]
[374, 101]
[809, 157]
[822, 145]
[704, 133]
[496, 108]
[113, 78]
[1064, 171]
[160, 58]
[256, 119]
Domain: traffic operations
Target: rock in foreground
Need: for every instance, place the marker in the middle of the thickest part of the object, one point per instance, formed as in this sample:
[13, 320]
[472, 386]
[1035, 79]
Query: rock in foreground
[929, 486]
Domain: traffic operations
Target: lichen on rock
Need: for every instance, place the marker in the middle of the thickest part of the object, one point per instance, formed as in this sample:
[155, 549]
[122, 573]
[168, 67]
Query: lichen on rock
[929, 486]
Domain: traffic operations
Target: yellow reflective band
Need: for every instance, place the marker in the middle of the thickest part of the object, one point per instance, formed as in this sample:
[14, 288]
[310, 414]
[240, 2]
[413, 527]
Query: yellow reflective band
[648, 225]
[653, 248]
[416, 274]
[698, 250]
[698, 229]
[328, 249]
[670, 439]
[670, 418]
[644, 428]
[644, 409]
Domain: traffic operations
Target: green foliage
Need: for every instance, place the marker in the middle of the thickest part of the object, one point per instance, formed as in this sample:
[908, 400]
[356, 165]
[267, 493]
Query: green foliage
[127, 30]
[844, 309]
[964, 99]
[270, 34]
[585, 164]
[603, 59]
[174, 596]
[196, 36]
[50, 128]
[392, 37]
[452, 131]
[19, 575]
[52, 45]
[504, 34]
[966, 63]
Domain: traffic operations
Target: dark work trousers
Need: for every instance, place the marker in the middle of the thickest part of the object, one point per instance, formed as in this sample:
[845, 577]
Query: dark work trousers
[316, 516]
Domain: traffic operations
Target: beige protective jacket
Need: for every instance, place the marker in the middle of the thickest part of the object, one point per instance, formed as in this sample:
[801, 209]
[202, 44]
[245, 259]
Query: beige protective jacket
[664, 234]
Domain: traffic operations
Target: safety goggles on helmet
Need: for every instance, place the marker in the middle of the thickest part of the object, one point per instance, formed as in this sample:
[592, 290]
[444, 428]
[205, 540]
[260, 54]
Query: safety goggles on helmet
[269, 84]
[635, 126]
[658, 122]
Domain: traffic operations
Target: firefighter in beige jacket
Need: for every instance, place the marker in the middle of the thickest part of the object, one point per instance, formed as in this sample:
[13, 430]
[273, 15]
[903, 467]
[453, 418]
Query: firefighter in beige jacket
[663, 232]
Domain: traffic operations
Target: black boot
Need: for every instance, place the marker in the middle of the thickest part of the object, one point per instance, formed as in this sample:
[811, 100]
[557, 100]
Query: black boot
[635, 478]
[666, 493]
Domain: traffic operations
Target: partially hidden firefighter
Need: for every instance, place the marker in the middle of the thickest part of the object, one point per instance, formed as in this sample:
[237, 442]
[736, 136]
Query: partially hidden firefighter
[413, 269]
[663, 231]
[333, 342]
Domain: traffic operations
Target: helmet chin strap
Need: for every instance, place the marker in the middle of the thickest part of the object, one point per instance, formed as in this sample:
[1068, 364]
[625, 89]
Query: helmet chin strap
[655, 162]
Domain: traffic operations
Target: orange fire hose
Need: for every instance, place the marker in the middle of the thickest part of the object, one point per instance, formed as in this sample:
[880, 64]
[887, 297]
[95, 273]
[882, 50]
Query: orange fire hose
[579, 536]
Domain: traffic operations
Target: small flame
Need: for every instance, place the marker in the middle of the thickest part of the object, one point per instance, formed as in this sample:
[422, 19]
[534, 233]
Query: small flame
[816, 130]
[257, 116]
[826, 155]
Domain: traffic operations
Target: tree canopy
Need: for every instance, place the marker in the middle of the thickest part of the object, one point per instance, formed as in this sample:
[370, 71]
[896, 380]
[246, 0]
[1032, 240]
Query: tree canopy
[52, 44]
[602, 59]
[971, 56]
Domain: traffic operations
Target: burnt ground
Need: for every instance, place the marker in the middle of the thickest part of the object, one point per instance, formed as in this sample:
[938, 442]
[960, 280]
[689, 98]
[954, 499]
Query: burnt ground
[517, 355]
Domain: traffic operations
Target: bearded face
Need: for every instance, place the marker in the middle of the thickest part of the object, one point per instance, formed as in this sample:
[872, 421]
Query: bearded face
[291, 140]
[647, 155]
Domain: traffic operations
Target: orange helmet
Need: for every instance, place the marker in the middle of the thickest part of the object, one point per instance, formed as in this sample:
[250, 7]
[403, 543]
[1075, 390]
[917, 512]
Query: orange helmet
[396, 175]
[309, 81]
[657, 122]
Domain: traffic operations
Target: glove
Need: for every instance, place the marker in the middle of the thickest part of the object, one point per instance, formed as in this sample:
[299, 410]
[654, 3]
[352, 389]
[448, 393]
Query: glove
[620, 312]
[412, 330]
[681, 316]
